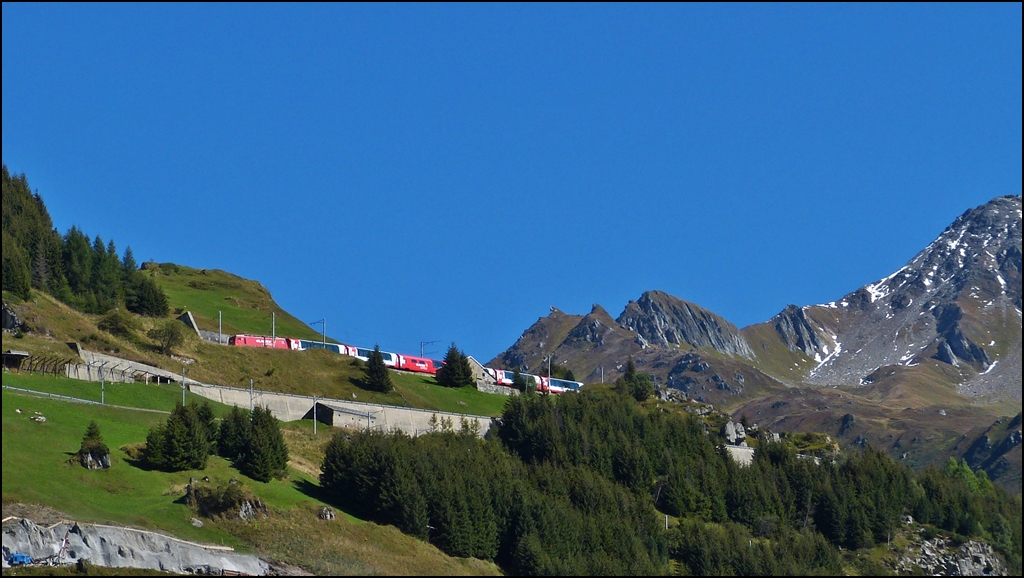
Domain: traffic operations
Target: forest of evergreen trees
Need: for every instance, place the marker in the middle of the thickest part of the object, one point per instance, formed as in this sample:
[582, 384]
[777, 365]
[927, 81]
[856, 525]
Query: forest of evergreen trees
[86, 274]
[580, 484]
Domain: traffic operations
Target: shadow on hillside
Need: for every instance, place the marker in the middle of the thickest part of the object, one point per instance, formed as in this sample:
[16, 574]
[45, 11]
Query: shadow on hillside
[313, 490]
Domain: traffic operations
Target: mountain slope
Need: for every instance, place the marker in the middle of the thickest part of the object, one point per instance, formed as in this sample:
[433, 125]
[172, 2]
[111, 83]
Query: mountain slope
[921, 362]
[956, 304]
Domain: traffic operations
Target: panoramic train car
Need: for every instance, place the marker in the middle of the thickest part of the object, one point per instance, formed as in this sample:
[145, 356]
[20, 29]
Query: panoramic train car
[390, 359]
[339, 348]
[544, 384]
[242, 340]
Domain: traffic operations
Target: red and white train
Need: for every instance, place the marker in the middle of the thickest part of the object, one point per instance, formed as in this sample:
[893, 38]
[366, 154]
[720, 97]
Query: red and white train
[396, 360]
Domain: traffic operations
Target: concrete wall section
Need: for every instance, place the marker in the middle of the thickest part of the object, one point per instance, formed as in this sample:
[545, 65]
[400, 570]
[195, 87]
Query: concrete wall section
[341, 413]
[744, 456]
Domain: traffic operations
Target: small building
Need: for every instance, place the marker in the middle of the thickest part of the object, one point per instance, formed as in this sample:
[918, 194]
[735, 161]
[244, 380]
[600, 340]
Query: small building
[13, 359]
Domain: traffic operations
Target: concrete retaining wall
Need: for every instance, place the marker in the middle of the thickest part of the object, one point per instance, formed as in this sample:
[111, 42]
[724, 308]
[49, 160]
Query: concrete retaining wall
[339, 412]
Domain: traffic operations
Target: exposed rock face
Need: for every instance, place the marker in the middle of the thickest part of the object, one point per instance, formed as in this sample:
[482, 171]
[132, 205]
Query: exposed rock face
[734, 433]
[941, 305]
[796, 332]
[591, 329]
[937, 557]
[661, 319]
[92, 461]
[117, 547]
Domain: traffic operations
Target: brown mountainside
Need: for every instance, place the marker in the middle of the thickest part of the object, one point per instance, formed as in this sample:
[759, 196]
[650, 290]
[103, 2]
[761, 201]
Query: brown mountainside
[921, 362]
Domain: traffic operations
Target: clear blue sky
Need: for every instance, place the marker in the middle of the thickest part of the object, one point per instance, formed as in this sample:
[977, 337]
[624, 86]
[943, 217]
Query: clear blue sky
[426, 172]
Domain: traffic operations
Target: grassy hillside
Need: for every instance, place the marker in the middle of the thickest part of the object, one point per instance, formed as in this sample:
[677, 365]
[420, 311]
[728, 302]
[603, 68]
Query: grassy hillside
[52, 324]
[36, 470]
[246, 305]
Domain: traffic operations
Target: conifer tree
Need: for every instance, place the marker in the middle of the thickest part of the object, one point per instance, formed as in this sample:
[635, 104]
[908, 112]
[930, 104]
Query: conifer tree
[267, 455]
[456, 371]
[377, 377]
[234, 433]
[182, 442]
[93, 445]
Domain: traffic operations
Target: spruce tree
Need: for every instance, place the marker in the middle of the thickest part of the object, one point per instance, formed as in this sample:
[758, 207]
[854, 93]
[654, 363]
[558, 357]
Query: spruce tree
[456, 371]
[182, 442]
[92, 444]
[377, 377]
[267, 455]
[234, 433]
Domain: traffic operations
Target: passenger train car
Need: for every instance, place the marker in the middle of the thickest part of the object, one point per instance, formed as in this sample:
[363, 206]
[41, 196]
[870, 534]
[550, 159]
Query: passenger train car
[544, 384]
[396, 360]
[264, 341]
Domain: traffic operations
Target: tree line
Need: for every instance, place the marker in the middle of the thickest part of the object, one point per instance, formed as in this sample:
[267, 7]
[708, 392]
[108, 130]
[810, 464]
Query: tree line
[582, 483]
[87, 274]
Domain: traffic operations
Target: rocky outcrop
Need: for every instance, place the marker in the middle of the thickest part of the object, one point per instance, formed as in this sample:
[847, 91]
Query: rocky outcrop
[94, 461]
[734, 433]
[663, 320]
[939, 557]
[796, 332]
[119, 547]
[953, 344]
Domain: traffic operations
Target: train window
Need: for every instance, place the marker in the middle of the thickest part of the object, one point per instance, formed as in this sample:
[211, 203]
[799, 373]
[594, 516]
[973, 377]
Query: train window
[362, 352]
[510, 375]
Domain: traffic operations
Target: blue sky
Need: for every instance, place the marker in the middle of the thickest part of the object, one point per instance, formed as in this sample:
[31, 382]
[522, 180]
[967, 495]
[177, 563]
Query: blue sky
[429, 172]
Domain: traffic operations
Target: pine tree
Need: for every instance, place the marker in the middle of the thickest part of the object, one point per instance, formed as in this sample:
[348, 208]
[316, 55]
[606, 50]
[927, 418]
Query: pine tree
[267, 455]
[456, 371]
[377, 377]
[182, 442]
[93, 445]
[234, 433]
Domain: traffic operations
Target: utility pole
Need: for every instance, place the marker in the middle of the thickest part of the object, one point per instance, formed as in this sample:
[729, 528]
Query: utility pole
[422, 343]
[273, 328]
[183, 386]
[314, 416]
[250, 398]
[323, 334]
[220, 327]
[103, 390]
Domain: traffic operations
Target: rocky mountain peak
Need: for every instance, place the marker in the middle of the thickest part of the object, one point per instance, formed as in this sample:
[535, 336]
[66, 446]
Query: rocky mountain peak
[935, 306]
[663, 320]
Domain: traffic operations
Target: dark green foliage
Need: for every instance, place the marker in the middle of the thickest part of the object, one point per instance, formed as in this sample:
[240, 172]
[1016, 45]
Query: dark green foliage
[731, 549]
[92, 443]
[168, 335]
[254, 443]
[234, 433]
[377, 377]
[86, 274]
[184, 441]
[568, 485]
[15, 268]
[266, 456]
[456, 371]
[638, 385]
[470, 497]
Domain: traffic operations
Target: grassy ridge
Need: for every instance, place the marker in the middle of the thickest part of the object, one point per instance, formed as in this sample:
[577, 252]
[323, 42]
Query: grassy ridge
[36, 470]
[246, 305]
